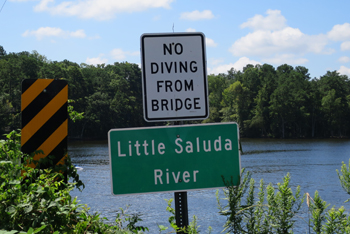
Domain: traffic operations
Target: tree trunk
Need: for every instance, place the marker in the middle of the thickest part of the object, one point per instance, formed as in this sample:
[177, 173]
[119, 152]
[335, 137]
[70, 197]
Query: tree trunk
[82, 130]
[282, 127]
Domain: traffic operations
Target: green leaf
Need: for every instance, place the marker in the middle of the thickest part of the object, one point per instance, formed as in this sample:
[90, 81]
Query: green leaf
[39, 229]
[59, 199]
[15, 182]
[52, 204]
[11, 209]
[8, 232]
[5, 162]
[162, 227]
[28, 209]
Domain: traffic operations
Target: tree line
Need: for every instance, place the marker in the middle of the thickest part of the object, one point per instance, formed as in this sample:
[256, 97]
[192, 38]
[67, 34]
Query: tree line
[282, 102]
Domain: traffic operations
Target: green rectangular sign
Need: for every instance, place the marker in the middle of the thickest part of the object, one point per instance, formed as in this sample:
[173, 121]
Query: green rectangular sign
[173, 158]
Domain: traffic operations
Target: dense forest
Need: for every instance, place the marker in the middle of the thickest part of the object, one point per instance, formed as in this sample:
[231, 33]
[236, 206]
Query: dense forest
[282, 102]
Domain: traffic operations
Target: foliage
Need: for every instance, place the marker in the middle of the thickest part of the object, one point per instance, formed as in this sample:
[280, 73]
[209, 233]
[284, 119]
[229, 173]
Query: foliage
[74, 115]
[317, 209]
[36, 200]
[282, 102]
[192, 228]
[344, 177]
[234, 210]
[108, 96]
[327, 222]
[283, 205]
[337, 222]
[273, 214]
[274, 209]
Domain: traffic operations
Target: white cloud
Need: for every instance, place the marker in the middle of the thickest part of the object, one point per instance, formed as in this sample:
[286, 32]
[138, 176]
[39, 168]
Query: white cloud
[98, 9]
[97, 60]
[340, 32]
[197, 15]
[210, 42]
[344, 70]
[344, 59]
[275, 42]
[345, 46]
[79, 33]
[286, 59]
[273, 21]
[239, 65]
[53, 32]
[116, 54]
[190, 30]
[120, 55]
[287, 40]
[215, 62]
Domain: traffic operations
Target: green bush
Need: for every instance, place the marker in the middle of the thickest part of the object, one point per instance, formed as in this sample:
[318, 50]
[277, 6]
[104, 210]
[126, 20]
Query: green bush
[274, 209]
[273, 212]
[38, 200]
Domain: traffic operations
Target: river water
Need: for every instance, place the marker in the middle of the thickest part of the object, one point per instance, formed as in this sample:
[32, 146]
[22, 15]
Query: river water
[312, 164]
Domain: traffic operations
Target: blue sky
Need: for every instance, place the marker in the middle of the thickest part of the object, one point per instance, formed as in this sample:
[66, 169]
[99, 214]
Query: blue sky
[314, 34]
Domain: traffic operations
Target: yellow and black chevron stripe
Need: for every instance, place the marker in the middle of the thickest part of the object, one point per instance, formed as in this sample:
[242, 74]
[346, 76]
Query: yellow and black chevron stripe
[45, 118]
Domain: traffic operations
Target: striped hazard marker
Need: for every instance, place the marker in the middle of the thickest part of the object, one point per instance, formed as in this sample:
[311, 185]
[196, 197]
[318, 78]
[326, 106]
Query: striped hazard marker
[45, 118]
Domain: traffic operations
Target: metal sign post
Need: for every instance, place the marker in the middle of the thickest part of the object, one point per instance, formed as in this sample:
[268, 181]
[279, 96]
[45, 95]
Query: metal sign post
[181, 210]
[181, 204]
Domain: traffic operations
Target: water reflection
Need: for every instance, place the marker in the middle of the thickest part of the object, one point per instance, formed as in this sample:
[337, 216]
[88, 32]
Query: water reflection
[311, 163]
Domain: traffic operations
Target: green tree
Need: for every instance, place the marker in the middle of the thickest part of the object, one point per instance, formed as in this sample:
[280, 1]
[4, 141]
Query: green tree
[5, 112]
[251, 80]
[235, 104]
[53, 70]
[98, 116]
[216, 86]
[260, 112]
[334, 90]
[2, 52]
[314, 107]
[287, 102]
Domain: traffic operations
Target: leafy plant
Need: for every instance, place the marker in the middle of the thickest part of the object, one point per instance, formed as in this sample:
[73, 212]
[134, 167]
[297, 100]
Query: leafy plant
[234, 211]
[283, 205]
[336, 222]
[318, 212]
[344, 177]
[275, 214]
[73, 114]
[192, 228]
[34, 200]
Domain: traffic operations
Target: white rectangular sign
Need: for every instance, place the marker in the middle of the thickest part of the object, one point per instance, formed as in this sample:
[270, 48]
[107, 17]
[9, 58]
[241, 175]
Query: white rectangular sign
[174, 76]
